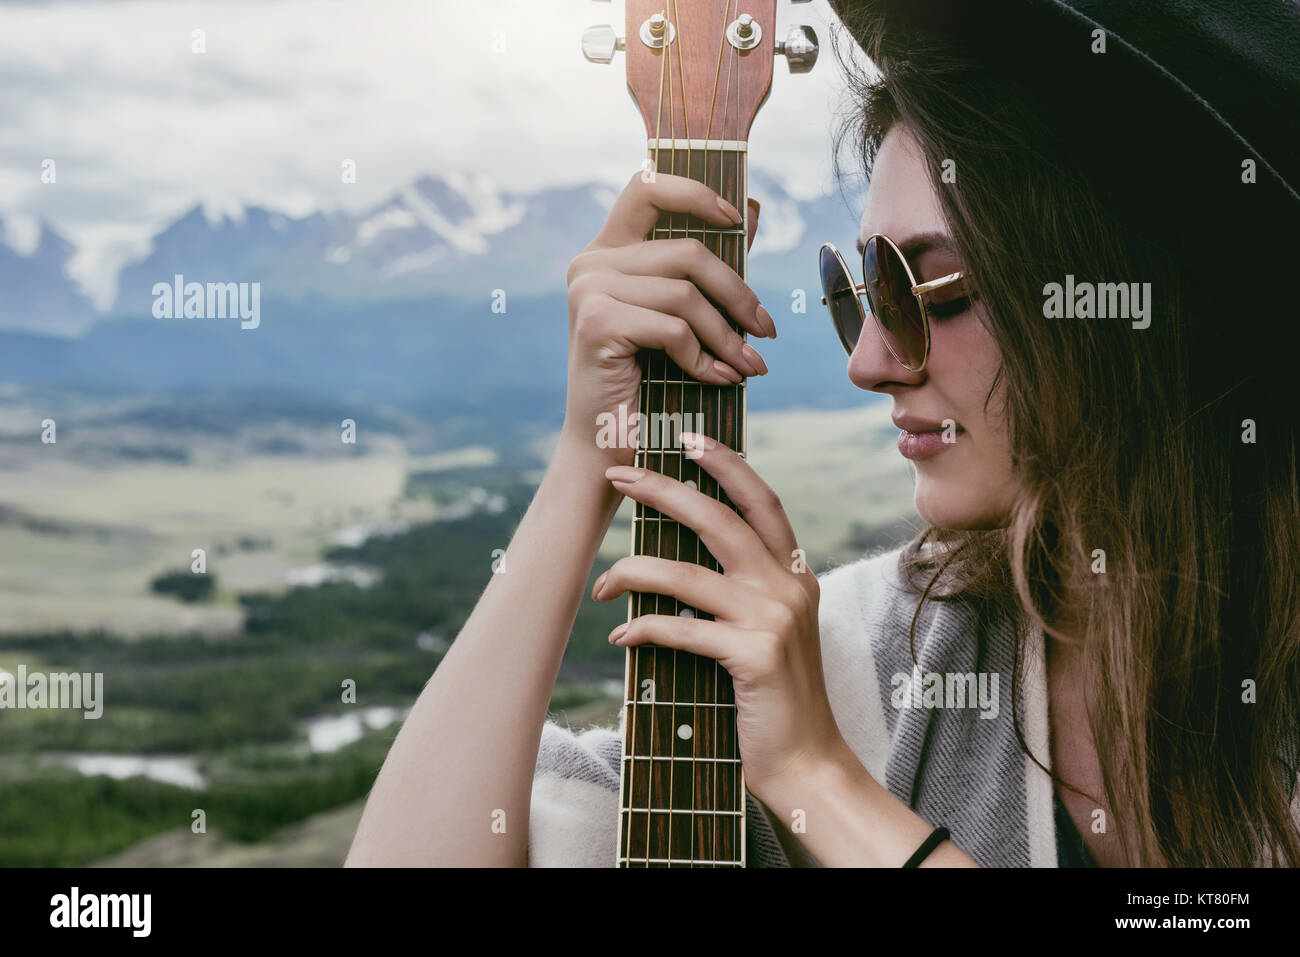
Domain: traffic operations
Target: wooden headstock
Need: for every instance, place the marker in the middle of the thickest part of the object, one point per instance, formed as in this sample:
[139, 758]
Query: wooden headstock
[701, 69]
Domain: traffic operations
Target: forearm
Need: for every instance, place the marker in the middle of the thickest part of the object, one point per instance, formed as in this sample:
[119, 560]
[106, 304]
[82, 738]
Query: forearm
[845, 818]
[456, 785]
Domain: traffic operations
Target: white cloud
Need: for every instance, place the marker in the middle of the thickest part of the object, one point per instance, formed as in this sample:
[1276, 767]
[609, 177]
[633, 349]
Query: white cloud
[141, 127]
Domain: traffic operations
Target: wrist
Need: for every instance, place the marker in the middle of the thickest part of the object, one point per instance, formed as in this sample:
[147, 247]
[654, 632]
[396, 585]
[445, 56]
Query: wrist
[594, 438]
[576, 445]
[577, 465]
[834, 772]
[846, 818]
[836, 810]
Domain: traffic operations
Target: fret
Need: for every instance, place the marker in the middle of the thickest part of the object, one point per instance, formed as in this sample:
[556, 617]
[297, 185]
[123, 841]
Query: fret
[704, 232]
[655, 518]
[676, 382]
[736, 231]
[680, 810]
[690, 863]
[684, 704]
[673, 539]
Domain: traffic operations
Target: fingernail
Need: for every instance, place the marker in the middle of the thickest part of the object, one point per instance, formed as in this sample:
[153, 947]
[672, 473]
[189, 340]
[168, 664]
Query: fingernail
[746, 363]
[618, 633]
[752, 355]
[731, 211]
[624, 473]
[600, 584]
[726, 371]
[765, 317]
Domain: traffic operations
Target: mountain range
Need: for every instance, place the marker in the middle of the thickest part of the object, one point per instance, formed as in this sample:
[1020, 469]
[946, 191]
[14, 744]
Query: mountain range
[393, 304]
[438, 238]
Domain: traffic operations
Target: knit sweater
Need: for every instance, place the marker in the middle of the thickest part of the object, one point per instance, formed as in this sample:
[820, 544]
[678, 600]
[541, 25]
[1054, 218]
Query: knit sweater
[959, 766]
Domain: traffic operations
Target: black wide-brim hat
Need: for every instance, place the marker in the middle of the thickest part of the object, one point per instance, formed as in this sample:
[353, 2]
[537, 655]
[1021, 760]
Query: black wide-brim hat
[1163, 121]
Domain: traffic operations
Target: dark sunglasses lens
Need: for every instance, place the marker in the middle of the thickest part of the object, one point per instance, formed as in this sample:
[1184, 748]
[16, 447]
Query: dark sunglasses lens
[843, 302]
[889, 292]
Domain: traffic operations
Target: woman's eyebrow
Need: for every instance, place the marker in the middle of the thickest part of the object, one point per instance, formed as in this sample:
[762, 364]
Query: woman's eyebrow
[920, 243]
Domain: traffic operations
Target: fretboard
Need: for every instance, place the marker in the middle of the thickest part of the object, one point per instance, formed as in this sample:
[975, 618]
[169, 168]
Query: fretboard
[683, 790]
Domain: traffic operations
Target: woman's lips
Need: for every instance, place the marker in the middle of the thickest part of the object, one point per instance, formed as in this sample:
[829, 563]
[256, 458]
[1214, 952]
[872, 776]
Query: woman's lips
[924, 445]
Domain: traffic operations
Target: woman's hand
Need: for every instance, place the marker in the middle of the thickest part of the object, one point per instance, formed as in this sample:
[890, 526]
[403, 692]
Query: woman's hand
[627, 293]
[765, 631]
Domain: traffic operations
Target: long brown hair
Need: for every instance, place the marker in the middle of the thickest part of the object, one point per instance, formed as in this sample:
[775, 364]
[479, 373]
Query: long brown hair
[1125, 441]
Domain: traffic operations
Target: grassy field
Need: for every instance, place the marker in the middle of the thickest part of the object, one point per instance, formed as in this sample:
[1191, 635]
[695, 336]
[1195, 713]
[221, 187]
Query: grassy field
[81, 543]
[228, 683]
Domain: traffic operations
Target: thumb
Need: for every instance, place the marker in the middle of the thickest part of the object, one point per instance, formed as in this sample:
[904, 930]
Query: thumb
[753, 221]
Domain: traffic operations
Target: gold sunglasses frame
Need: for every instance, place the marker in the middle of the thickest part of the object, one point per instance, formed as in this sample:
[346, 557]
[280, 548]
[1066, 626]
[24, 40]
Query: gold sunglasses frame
[919, 290]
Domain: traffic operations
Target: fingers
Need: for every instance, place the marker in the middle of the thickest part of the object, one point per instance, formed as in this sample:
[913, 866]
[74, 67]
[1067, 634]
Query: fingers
[680, 299]
[759, 505]
[648, 195]
[731, 540]
[726, 644]
[693, 585]
[623, 328]
[753, 222]
[684, 259]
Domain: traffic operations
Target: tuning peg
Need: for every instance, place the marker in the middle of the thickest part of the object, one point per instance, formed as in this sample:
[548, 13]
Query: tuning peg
[600, 43]
[799, 48]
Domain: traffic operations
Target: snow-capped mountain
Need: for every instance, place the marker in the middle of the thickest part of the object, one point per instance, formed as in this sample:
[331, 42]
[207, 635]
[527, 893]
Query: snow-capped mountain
[36, 292]
[442, 237]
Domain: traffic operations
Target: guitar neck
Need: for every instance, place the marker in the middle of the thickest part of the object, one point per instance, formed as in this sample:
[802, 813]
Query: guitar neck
[683, 790]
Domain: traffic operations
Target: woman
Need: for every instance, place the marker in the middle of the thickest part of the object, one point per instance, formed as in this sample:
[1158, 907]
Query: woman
[1108, 542]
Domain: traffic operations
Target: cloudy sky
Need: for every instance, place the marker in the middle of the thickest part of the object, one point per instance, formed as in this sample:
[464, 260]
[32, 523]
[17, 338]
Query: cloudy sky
[141, 127]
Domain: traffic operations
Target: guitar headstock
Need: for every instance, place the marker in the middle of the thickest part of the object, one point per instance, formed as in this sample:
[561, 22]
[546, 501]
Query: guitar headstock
[701, 69]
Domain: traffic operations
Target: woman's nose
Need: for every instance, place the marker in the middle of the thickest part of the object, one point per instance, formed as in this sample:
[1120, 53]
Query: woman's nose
[873, 367]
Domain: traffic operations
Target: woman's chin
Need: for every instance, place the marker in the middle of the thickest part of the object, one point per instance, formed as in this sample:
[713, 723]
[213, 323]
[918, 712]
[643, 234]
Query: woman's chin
[951, 505]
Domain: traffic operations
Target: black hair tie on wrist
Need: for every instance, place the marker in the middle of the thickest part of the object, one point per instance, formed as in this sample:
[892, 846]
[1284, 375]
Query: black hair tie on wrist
[937, 837]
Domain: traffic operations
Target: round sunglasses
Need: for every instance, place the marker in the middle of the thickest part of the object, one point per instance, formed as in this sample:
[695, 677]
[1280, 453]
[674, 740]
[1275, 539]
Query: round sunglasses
[901, 306]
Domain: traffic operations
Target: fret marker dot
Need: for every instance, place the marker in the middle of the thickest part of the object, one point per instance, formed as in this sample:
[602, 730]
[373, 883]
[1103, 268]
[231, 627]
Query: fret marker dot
[686, 613]
[690, 483]
[685, 732]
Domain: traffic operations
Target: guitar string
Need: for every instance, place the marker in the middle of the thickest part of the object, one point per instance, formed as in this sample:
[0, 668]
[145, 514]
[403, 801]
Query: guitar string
[742, 268]
[713, 739]
[672, 29]
[733, 66]
[637, 599]
[731, 69]
[677, 543]
[665, 68]
[660, 599]
[672, 15]
[641, 653]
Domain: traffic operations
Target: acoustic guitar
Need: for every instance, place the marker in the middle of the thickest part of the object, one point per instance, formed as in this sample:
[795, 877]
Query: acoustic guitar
[698, 71]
